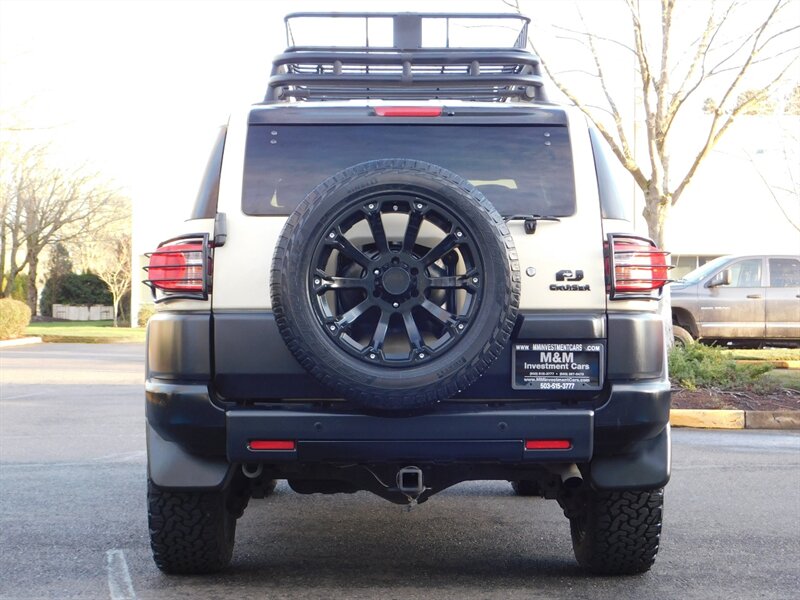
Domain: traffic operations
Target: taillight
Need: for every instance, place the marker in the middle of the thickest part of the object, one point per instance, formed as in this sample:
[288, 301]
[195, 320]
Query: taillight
[636, 268]
[408, 111]
[179, 269]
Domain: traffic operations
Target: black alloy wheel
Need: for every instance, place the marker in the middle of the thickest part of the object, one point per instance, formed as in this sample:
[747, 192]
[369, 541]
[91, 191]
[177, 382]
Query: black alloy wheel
[387, 299]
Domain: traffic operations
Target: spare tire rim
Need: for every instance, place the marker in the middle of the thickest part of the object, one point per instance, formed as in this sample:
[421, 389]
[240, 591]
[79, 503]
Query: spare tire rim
[396, 277]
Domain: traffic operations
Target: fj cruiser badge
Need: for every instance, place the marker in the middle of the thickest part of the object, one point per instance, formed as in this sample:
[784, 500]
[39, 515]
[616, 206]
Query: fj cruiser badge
[569, 275]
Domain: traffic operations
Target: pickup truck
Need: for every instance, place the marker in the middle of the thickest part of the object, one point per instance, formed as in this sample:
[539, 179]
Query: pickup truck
[743, 299]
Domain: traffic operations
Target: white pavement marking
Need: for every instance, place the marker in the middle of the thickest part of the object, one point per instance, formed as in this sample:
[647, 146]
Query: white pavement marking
[120, 585]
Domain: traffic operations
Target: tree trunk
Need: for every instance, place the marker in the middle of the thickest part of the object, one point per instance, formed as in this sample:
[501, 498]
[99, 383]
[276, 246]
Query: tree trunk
[33, 293]
[656, 210]
[115, 302]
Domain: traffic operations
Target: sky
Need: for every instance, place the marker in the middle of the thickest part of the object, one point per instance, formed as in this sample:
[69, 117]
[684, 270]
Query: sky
[137, 89]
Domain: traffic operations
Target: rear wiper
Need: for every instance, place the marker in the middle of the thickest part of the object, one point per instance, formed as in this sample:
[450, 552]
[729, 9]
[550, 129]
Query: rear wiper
[530, 221]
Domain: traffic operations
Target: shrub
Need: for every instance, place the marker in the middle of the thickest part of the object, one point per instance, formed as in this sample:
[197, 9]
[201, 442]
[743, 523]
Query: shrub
[699, 366]
[145, 312]
[14, 318]
[86, 289]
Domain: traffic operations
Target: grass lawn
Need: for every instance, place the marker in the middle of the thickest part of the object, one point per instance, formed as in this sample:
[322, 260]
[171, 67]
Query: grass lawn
[765, 354]
[88, 332]
[785, 378]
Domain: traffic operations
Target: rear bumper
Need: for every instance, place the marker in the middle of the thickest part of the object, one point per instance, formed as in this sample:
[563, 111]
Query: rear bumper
[624, 443]
[621, 437]
[494, 436]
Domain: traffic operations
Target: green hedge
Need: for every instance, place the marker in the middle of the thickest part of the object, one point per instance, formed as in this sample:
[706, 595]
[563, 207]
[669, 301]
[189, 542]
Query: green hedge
[699, 366]
[86, 289]
[14, 318]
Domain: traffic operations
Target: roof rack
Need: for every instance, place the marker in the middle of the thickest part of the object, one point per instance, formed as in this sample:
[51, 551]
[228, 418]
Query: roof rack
[407, 69]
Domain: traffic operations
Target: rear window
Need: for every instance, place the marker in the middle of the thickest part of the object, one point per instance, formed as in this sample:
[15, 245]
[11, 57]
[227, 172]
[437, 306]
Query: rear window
[520, 169]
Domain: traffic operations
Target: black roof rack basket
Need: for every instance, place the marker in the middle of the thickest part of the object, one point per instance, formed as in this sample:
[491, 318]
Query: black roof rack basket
[407, 69]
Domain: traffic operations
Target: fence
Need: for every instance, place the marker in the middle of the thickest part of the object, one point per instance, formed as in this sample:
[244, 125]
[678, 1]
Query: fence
[83, 313]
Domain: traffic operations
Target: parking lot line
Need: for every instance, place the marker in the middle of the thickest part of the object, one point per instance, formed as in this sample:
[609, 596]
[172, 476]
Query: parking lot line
[120, 585]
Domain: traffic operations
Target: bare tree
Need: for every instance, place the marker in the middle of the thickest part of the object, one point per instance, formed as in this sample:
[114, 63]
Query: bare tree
[110, 259]
[670, 76]
[43, 205]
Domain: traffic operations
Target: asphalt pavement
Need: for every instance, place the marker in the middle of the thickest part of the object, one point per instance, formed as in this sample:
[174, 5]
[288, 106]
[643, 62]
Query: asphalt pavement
[73, 516]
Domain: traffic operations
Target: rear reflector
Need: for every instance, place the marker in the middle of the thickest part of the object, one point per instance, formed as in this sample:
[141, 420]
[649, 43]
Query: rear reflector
[408, 111]
[548, 445]
[271, 445]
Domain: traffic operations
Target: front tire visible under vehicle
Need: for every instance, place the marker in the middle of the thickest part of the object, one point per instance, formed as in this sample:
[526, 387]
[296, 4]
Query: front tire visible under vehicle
[618, 533]
[681, 337]
[191, 532]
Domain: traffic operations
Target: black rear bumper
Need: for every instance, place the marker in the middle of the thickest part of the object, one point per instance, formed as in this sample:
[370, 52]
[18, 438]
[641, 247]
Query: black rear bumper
[621, 438]
[625, 442]
[491, 436]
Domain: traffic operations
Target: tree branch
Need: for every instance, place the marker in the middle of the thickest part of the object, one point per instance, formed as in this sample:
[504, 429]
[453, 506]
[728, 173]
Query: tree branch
[715, 134]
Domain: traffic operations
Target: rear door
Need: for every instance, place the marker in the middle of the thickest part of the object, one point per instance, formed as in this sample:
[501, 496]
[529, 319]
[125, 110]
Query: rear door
[783, 298]
[737, 310]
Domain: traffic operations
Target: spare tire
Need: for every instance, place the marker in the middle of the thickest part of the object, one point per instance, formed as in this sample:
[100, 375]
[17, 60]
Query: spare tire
[395, 283]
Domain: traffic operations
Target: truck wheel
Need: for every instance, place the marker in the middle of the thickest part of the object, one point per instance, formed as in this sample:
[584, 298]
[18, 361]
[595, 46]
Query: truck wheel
[526, 488]
[396, 284]
[190, 532]
[617, 533]
[682, 337]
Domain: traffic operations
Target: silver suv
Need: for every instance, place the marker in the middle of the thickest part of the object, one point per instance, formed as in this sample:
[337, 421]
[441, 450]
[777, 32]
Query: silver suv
[406, 269]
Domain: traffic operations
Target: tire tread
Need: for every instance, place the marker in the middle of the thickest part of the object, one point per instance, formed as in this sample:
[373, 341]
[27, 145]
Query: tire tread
[622, 532]
[188, 531]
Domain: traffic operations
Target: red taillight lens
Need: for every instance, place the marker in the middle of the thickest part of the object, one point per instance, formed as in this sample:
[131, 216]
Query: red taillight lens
[639, 266]
[548, 445]
[178, 267]
[271, 445]
[408, 111]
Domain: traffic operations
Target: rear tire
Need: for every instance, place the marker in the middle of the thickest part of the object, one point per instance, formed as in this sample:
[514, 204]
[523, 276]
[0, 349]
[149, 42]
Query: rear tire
[681, 337]
[618, 533]
[190, 532]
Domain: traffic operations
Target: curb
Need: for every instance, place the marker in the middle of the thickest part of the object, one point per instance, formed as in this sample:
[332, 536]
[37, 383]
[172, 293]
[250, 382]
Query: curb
[26, 341]
[734, 419]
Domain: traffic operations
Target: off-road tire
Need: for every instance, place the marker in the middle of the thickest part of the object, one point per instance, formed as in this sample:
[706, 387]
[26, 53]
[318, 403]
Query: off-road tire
[526, 488]
[681, 337]
[618, 533]
[190, 532]
[374, 387]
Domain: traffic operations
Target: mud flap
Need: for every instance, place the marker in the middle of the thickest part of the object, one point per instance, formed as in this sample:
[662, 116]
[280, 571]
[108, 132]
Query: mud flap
[169, 466]
[645, 466]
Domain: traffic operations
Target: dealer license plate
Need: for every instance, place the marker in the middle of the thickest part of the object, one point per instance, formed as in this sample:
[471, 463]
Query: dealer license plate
[558, 365]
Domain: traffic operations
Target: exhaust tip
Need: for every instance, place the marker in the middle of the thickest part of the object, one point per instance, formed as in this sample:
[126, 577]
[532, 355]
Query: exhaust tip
[252, 471]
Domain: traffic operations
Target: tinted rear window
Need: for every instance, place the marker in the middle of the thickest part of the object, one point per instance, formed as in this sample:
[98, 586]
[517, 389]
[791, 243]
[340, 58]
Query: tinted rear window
[520, 169]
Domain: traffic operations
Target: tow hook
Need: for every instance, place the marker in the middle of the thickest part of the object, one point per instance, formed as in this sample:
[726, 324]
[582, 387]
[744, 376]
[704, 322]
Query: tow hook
[410, 483]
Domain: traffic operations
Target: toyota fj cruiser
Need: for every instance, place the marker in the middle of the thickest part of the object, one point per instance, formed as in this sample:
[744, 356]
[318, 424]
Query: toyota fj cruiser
[407, 269]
